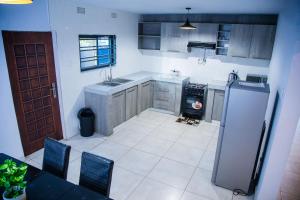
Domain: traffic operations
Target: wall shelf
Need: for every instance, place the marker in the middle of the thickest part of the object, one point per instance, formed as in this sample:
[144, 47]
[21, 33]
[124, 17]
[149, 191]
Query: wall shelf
[223, 39]
[149, 35]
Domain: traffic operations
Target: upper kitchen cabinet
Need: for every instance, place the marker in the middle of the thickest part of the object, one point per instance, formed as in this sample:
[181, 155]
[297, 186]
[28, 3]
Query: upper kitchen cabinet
[205, 32]
[173, 39]
[149, 35]
[262, 41]
[240, 40]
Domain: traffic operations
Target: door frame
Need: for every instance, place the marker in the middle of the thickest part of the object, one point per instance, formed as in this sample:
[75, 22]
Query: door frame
[62, 126]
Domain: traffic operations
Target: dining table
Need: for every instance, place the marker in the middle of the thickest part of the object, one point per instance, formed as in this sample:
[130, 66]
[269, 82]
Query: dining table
[42, 185]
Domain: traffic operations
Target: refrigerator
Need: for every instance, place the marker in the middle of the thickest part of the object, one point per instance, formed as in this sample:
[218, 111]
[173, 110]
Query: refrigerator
[240, 136]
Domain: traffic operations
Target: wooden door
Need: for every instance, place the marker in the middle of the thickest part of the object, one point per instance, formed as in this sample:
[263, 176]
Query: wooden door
[31, 70]
[240, 40]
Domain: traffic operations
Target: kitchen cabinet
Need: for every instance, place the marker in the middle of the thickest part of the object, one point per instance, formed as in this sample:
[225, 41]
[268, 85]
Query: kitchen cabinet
[218, 105]
[214, 105]
[118, 108]
[146, 95]
[262, 41]
[173, 39]
[240, 40]
[164, 96]
[131, 102]
[205, 32]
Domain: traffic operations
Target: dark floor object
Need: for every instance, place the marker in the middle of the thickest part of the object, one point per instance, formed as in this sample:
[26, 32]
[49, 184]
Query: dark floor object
[56, 158]
[188, 121]
[87, 122]
[96, 173]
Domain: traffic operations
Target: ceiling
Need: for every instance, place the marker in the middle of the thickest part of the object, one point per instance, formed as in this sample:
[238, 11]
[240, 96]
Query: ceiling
[198, 6]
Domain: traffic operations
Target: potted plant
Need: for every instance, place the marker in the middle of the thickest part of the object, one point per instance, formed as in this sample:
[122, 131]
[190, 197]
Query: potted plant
[12, 179]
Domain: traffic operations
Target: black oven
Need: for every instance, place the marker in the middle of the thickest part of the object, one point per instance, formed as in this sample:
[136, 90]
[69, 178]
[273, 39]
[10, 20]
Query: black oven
[194, 101]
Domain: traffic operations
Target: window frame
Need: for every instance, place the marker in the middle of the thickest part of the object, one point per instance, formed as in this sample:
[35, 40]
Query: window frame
[112, 47]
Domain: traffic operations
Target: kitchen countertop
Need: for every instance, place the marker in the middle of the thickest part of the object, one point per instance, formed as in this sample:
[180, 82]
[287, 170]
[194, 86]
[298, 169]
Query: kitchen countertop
[137, 78]
[217, 85]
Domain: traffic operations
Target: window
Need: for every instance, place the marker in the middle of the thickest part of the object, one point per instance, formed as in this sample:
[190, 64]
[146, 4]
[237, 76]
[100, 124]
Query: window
[97, 51]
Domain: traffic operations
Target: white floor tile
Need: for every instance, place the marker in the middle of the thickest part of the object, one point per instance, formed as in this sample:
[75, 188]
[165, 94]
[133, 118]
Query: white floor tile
[84, 143]
[138, 162]
[110, 150]
[74, 154]
[123, 183]
[156, 158]
[172, 173]
[195, 140]
[167, 133]
[153, 190]
[74, 171]
[201, 184]
[154, 145]
[184, 154]
[207, 160]
[39, 153]
[33, 163]
[191, 196]
[127, 137]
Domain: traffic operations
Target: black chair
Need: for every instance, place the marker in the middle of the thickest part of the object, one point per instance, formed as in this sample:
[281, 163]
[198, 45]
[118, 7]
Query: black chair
[56, 158]
[96, 173]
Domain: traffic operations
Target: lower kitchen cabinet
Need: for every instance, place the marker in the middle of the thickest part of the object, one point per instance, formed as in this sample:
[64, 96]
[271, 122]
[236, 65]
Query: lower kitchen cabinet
[146, 95]
[214, 105]
[164, 96]
[131, 102]
[118, 109]
[218, 105]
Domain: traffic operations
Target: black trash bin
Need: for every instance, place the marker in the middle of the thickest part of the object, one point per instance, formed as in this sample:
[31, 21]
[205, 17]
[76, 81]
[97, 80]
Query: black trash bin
[87, 122]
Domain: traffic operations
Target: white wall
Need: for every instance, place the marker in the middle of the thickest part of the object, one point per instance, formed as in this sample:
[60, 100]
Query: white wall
[215, 69]
[284, 78]
[19, 18]
[67, 25]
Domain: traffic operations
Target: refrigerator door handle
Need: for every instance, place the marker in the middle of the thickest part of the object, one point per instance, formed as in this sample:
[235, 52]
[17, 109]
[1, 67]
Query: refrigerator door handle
[226, 100]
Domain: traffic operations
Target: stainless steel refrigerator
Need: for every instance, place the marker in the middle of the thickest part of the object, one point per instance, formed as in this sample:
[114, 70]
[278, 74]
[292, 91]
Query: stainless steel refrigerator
[240, 135]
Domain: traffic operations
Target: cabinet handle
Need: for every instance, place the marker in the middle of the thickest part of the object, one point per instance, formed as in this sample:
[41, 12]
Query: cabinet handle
[176, 51]
[145, 84]
[118, 94]
[53, 89]
[131, 90]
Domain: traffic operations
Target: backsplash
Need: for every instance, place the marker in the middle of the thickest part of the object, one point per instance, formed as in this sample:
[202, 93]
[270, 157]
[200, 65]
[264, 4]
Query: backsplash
[216, 68]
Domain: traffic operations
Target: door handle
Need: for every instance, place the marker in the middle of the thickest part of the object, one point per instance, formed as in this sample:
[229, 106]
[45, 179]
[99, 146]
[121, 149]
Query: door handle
[53, 90]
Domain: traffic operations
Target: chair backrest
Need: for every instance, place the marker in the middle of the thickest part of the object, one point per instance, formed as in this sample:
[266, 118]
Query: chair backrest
[56, 158]
[96, 173]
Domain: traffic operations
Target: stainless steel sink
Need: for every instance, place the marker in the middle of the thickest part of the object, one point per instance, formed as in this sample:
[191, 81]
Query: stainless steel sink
[109, 83]
[115, 82]
[121, 80]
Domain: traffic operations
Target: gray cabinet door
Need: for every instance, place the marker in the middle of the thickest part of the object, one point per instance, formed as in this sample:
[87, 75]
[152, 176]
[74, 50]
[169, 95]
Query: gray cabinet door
[146, 95]
[262, 41]
[240, 40]
[218, 105]
[131, 102]
[118, 108]
[173, 39]
[164, 96]
[205, 32]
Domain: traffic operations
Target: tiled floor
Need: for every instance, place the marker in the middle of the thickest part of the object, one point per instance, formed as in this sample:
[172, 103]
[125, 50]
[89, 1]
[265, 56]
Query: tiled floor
[155, 158]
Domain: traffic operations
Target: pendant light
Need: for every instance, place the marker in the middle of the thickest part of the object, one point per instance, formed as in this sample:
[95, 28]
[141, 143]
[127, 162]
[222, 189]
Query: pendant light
[187, 25]
[16, 1]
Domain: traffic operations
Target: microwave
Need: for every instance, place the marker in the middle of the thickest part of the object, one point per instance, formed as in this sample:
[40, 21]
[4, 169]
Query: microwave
[256, 78]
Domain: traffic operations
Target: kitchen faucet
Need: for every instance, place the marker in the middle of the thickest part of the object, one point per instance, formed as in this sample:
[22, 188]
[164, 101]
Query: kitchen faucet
[109, 78]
